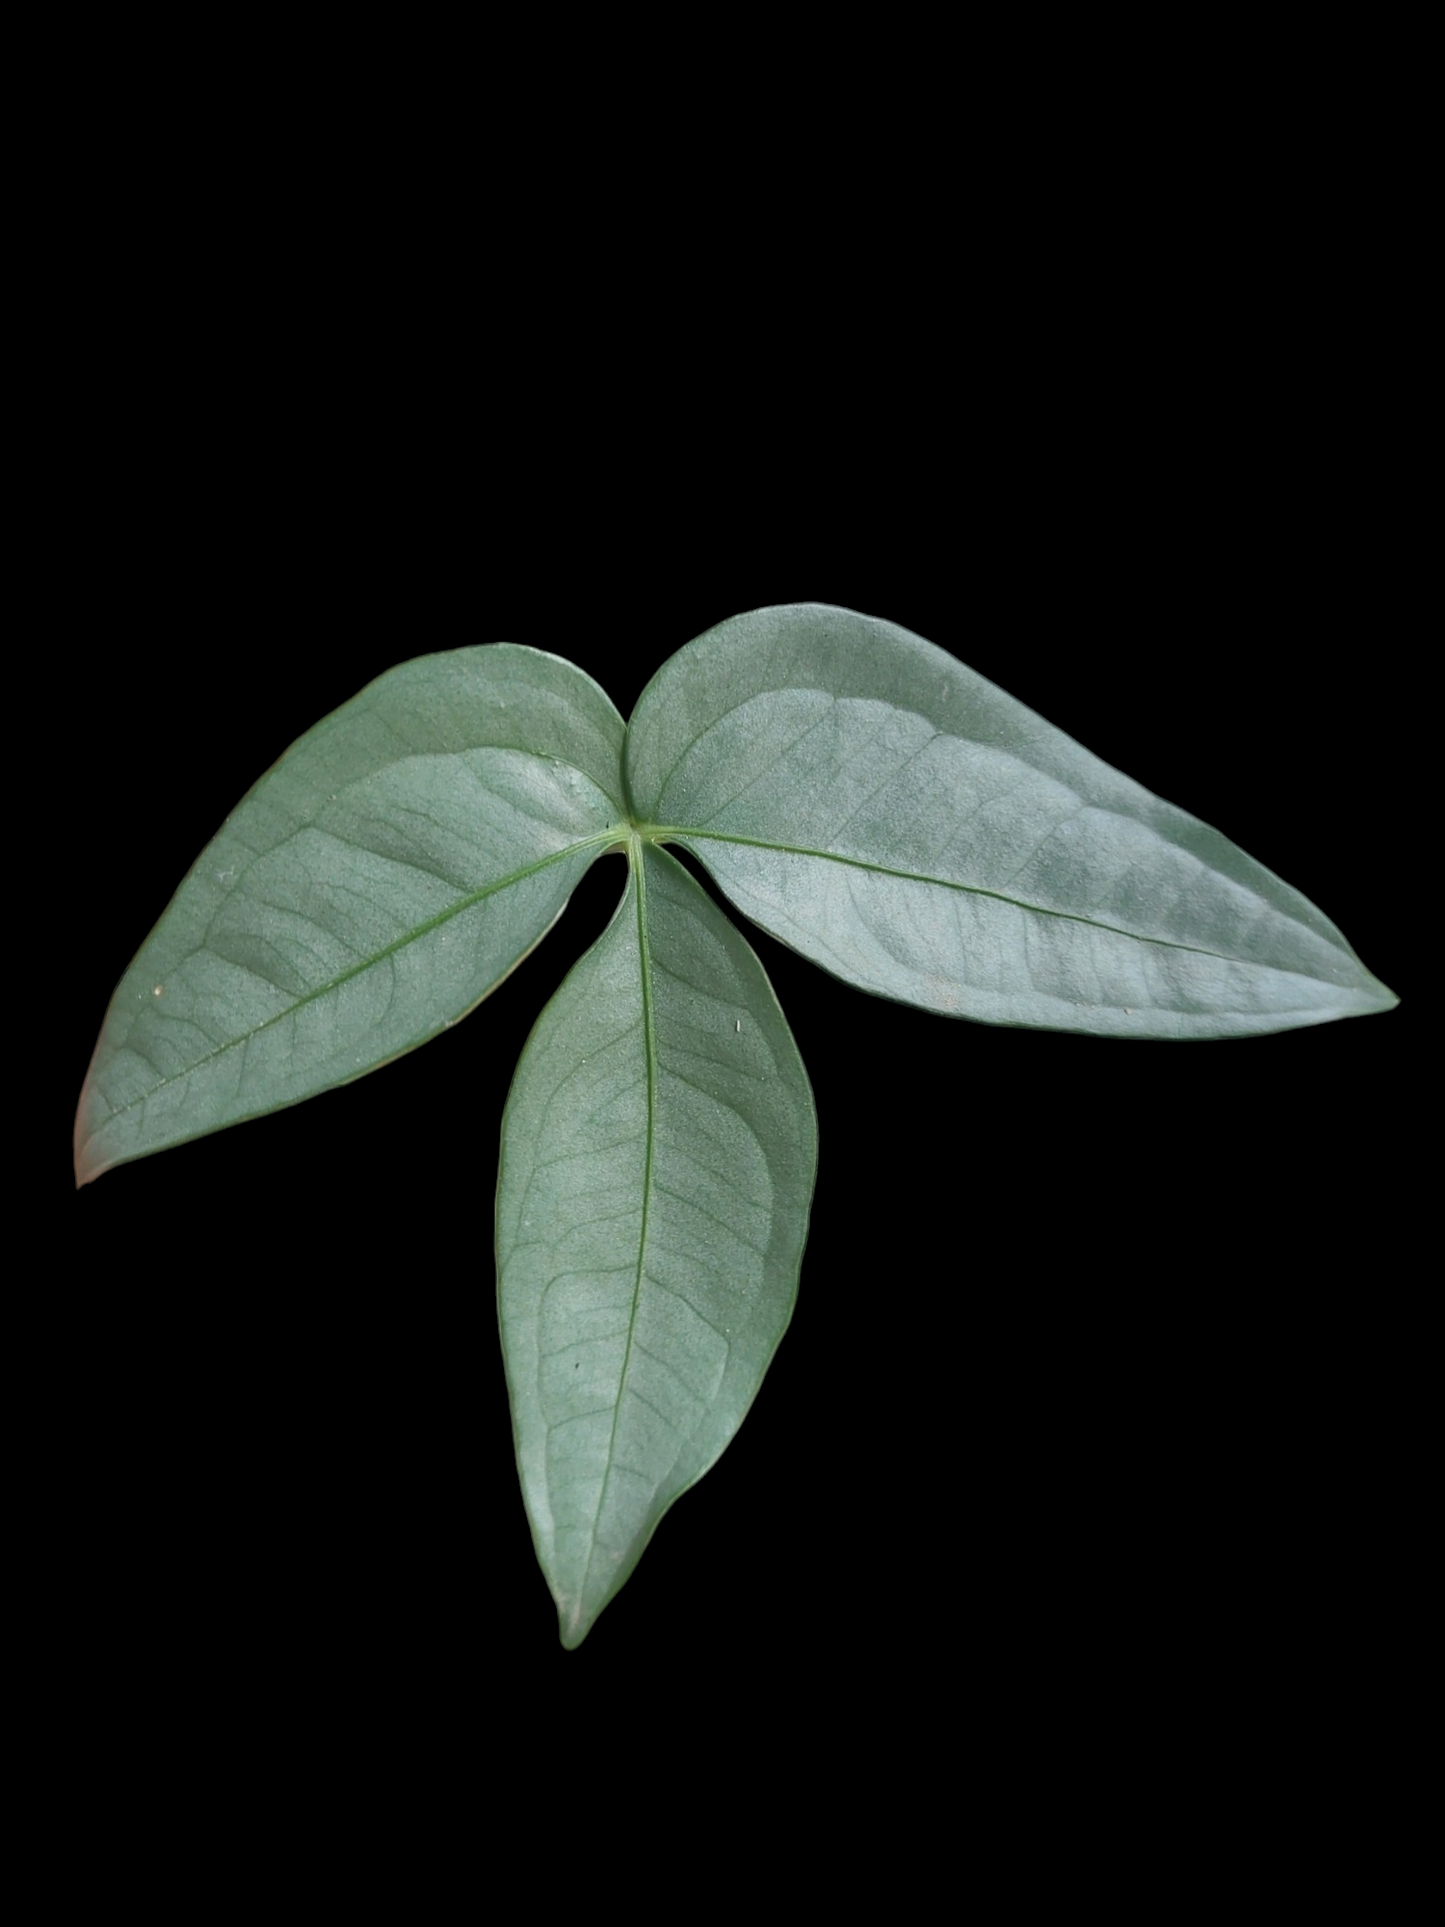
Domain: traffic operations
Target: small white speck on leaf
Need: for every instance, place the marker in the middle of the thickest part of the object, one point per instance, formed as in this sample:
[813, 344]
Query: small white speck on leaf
[159, 991]
[737, 1023]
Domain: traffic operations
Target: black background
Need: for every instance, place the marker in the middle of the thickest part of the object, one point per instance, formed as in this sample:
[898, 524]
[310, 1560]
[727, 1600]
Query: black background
[1091, 1337]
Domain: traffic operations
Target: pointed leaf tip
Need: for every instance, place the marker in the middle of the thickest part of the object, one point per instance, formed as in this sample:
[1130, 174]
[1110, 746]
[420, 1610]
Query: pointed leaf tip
[658, 1154]
[919, 833]
[377, 883]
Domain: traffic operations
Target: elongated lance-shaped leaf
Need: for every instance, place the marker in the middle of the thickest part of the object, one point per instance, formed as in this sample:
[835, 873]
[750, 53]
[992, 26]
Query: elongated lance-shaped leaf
[658, 1154]
[377, 882]
[904, 823]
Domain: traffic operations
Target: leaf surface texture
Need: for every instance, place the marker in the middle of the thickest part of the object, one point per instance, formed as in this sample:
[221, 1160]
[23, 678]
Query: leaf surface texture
[377, 882]
[904, 823]
[658, 1156]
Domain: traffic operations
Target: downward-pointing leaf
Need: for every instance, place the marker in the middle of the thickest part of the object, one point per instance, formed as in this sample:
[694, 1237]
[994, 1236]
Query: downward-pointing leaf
[375, 884]
[907, 825]
[658, 1155]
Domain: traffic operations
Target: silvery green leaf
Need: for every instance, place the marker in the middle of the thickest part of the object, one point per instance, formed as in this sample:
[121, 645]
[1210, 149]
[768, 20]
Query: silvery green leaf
[904, 823]
[658, 1155]
[381, 879]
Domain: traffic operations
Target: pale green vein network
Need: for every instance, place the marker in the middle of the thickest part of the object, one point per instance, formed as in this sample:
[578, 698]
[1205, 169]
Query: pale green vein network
[912, 828]
[464, 792]
[651, 1211]
[370, 963]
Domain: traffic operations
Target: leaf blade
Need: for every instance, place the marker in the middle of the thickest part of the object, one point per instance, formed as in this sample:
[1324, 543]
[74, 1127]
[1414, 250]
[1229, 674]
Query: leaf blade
[636, 1336]
[377, 883]
[909, 826]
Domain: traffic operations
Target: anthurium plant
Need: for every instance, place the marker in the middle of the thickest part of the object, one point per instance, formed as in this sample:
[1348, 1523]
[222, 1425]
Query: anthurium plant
[849, 787]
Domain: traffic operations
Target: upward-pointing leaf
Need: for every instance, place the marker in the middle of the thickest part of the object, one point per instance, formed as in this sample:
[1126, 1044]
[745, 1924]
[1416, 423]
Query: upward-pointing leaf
[907, 825]
[658, 1155]
[375, 884]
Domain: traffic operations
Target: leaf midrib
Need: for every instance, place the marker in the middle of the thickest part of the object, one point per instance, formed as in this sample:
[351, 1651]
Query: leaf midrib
[649, 1047]
[369, 963]
[947, 883]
